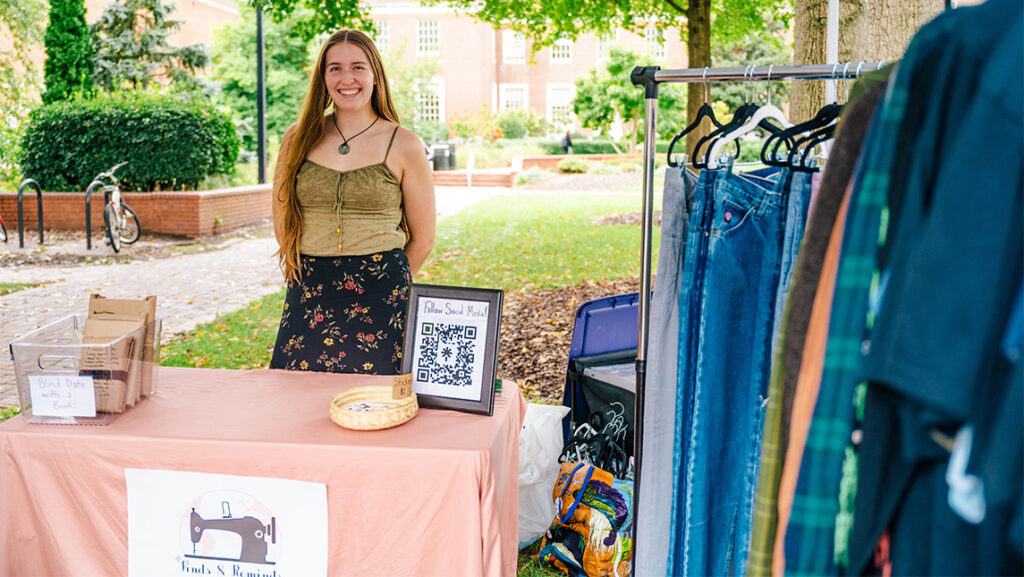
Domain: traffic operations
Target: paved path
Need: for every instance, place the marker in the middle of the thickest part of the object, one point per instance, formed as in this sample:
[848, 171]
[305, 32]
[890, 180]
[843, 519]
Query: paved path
[191, 289]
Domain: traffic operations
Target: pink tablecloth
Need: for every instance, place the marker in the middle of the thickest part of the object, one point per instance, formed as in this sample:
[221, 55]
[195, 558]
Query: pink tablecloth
[436, 496]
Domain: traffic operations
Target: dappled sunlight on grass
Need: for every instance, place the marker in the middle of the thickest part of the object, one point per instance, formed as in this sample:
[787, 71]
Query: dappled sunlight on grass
[536, 241]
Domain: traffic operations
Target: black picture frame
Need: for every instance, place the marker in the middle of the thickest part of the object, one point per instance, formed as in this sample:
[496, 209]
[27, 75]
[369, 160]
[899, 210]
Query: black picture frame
[448, 371]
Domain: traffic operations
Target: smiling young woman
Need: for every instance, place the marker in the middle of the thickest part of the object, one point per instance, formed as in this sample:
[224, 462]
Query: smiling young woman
[354, 217]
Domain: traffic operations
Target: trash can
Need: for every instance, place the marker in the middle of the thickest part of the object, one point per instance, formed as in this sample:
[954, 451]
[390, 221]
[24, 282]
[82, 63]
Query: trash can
[452, 164]
[441, 157]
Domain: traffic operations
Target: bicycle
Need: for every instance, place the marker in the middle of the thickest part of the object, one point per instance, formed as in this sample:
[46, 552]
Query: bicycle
[3, 229]
[121, 221]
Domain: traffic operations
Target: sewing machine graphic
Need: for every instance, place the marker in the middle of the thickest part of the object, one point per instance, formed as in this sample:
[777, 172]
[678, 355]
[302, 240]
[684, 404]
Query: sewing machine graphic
[253, 532]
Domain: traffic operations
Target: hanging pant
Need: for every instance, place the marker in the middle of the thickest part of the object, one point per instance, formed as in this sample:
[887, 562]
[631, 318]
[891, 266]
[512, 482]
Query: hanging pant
[727, 309]
[659, 408]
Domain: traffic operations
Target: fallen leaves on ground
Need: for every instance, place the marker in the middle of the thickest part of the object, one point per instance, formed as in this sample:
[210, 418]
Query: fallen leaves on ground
[536, 331]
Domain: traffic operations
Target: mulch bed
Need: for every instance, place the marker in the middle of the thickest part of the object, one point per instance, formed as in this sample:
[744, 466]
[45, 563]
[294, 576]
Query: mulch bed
[536, 331]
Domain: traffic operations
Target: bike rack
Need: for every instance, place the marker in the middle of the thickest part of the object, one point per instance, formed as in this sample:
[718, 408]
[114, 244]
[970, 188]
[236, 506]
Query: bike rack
[21, 213]
[88, 213]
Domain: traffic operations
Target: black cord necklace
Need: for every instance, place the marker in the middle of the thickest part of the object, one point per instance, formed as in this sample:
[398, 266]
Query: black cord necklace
[344, 148]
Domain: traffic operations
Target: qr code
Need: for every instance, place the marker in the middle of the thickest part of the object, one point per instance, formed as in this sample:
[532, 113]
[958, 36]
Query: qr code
[446, 354]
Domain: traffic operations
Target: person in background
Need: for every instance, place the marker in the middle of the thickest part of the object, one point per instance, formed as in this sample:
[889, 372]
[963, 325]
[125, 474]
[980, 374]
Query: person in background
[354, 217]
[566, 142]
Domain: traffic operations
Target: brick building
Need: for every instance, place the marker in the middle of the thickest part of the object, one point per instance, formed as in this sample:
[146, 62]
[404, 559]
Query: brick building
[484, 66]
[480, 66]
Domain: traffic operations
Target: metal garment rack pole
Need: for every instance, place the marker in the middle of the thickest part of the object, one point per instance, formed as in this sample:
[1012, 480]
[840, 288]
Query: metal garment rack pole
[648, 78]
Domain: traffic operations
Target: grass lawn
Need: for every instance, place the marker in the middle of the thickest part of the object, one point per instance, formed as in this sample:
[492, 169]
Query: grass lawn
[7, 288]
[510, 242]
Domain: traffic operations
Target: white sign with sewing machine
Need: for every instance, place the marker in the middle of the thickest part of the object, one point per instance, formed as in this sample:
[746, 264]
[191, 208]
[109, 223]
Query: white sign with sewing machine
[184, 523]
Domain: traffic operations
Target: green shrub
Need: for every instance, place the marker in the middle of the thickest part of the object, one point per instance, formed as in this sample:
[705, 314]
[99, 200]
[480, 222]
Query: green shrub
[169, 143]
[430, 131]
[580, 145]
[573, 166]
[531, 175]
[521, 123]
[68, 68]
[602, 168]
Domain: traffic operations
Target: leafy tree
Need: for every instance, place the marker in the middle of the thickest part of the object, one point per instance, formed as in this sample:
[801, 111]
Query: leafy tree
[288, 60]
[68, 68]
[131, 49]
[329, 16]
[20, 82]
[761, 49]
[407, 79]
[545, 21]
[606, 95]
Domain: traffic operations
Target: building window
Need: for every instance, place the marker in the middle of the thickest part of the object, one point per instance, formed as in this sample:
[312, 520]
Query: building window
[428, 38]
[559, 100]
[382, 37]
[561, 51]
[513, 97]
[430, 101]
[655, 41]
[604, 45]
[513, 46]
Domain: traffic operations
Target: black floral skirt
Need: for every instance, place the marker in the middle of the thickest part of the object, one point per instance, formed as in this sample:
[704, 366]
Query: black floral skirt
[347, 315]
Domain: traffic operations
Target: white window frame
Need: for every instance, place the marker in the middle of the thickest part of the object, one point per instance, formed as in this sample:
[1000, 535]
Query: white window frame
[654, 39]
[435, 89]
[561, 51]
[513, 47]
[428, 38]
[383, 38]
[559, 87]
[605, 43]
[503, 90]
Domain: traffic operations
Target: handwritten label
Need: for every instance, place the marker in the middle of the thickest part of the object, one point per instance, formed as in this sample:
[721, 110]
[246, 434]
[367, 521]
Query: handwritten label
[401, 386]
[62, 396]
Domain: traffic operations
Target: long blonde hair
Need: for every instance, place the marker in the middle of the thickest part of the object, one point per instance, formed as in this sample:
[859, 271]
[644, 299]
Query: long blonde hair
[310, 129]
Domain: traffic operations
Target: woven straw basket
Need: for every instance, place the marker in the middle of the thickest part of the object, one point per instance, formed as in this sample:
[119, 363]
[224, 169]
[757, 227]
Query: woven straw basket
[400, 410]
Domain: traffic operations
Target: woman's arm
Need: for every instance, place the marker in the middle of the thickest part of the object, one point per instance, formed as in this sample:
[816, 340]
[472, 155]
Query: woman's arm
[279, 176]
[417, 198]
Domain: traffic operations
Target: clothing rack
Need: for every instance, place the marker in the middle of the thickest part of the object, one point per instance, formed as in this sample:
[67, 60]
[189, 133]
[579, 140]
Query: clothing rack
[649, 77]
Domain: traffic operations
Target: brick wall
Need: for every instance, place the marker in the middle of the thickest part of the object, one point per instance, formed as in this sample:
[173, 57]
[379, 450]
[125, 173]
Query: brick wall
[189, 214]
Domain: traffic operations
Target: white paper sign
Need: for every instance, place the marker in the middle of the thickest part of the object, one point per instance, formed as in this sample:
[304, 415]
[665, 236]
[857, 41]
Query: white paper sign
[62, 396]
[182, 523]
[449, 347]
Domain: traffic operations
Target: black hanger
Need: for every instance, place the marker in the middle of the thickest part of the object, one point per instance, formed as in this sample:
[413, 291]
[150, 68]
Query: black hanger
[797, 157]
[817, 138]
[825, 116]
[740, 116]
[705, 111]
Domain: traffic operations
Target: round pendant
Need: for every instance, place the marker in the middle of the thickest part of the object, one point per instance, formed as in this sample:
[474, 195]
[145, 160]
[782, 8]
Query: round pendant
[343, 149]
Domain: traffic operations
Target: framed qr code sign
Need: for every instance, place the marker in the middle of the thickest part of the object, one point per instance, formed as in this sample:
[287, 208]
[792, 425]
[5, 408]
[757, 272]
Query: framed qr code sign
[451, 346]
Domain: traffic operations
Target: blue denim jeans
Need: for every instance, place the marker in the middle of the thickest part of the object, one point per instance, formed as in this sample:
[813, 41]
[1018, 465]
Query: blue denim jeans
[659, 408]
[798, 203]
[726, 317]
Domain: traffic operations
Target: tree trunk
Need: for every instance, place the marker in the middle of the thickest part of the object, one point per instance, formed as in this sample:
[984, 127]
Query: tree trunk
[868, 31]
[698, 55]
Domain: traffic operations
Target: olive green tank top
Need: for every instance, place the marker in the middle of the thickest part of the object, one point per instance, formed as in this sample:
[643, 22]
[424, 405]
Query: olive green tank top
[350, 212]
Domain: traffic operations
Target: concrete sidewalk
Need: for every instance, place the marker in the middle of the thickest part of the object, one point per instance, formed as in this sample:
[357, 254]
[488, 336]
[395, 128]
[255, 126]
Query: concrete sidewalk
[191, 289]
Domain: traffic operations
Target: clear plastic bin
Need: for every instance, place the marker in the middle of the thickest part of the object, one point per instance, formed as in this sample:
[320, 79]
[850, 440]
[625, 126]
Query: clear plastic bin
[62, 380]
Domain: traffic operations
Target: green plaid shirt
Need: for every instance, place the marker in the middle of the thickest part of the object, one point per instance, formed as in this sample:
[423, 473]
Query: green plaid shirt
[811, 533]
[774, 441]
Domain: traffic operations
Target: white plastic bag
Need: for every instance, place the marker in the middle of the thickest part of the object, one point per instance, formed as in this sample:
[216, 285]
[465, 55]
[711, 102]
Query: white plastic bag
[540, 443]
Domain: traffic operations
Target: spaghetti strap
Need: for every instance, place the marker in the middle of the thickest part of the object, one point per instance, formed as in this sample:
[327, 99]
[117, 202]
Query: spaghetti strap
[390, 142]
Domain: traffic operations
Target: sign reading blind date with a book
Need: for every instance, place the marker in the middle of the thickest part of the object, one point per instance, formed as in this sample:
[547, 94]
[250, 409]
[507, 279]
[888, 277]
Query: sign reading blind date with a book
[451, 346]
